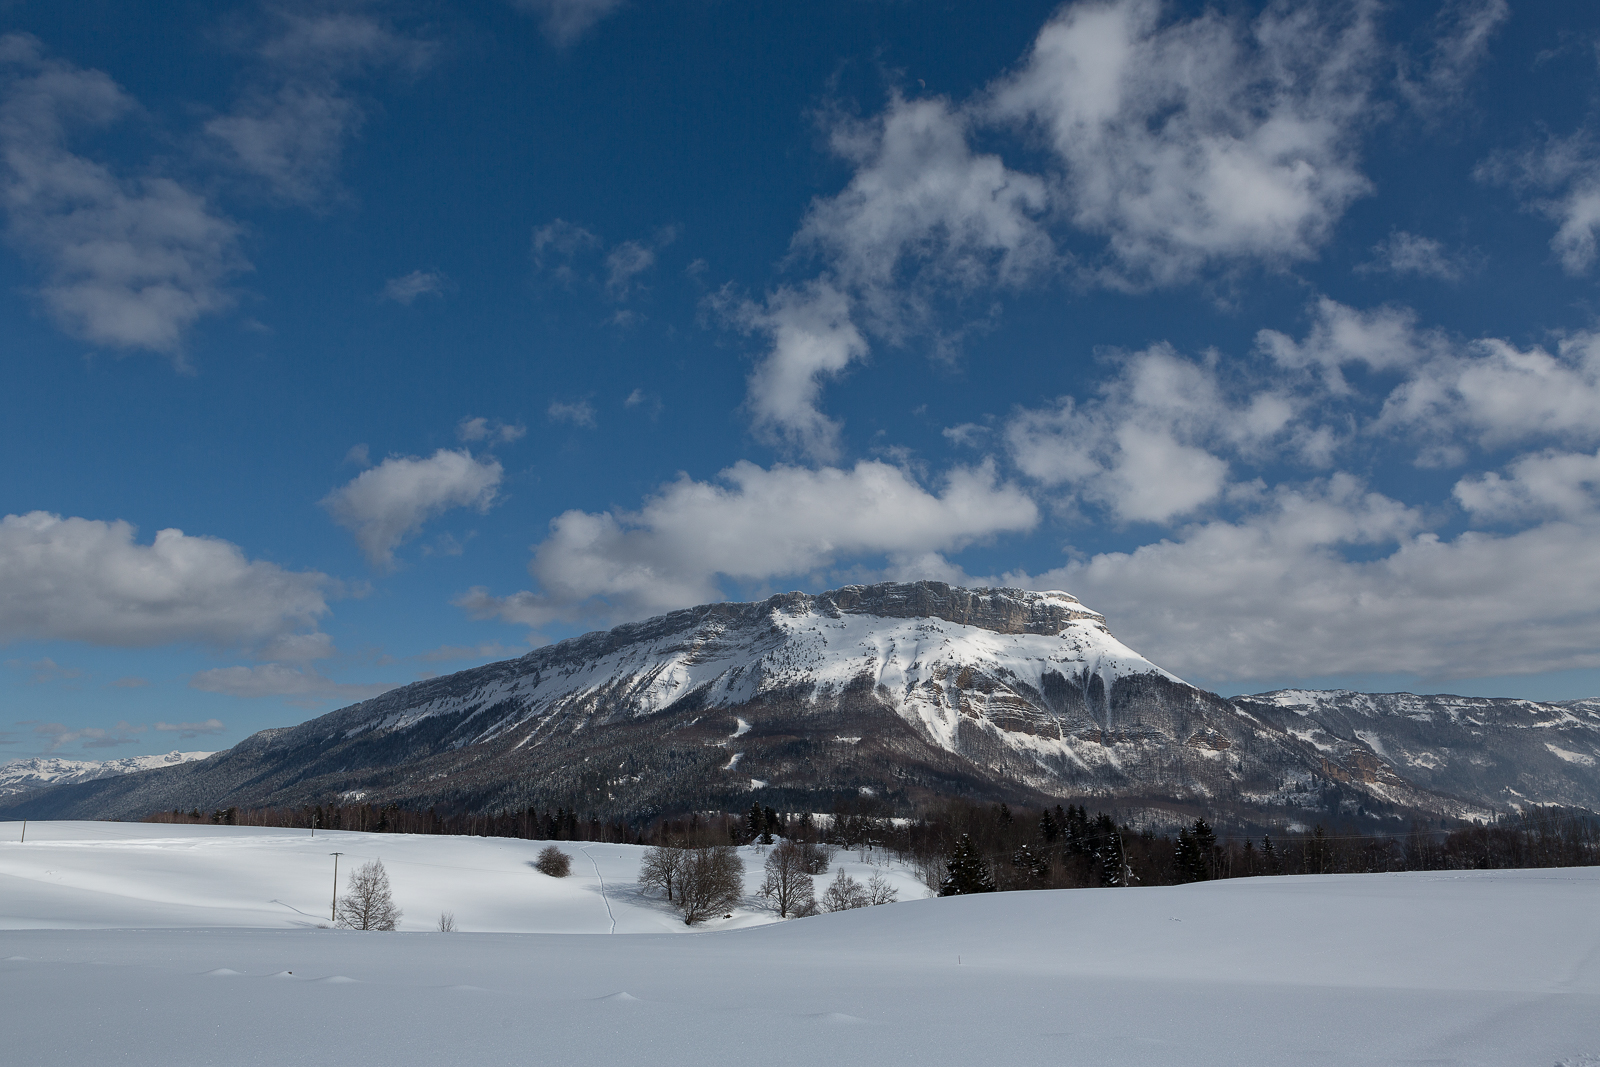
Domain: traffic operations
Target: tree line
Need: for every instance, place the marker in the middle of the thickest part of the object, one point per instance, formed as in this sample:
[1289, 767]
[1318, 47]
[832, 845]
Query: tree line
[1063, 846]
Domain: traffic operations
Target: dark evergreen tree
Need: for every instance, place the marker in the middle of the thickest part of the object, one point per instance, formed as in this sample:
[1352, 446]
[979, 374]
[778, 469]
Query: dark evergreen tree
[967, 871]
[1048, 830]
[774, 825]
[1029, 862]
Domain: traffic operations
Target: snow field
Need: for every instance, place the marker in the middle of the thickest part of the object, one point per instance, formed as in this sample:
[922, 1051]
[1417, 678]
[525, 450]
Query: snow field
[91, 875]
[1478, 968]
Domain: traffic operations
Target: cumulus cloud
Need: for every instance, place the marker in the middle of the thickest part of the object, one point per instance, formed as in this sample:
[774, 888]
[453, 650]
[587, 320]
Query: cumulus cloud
[1204, 141]
[86, 580]
[922, 207]
[564, 21]
[384, 505]
[305, 687]
[1548, 484]
[1275, 595]
[407, 288]
[1498, 394]
[128, 262]
[289, 129]
[751, 525]
[493, 431]
[1146, 447]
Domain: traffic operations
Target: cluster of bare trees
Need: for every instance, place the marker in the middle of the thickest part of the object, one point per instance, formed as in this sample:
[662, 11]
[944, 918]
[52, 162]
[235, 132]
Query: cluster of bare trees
[554, 862]
[845, 893]
[702, 880]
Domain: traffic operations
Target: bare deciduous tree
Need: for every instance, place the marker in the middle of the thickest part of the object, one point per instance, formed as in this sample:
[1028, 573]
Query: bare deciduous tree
[788, 885]
[554, 862]
[879, 891]
[659, 869]
[844, 893]
[711, 880]
[447, 922]
[368, 905]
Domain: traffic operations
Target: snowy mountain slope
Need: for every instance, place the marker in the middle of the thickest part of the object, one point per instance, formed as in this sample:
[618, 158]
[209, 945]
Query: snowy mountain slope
[24, 775]
[901, 691]
[1493, 968]
[1506, 753]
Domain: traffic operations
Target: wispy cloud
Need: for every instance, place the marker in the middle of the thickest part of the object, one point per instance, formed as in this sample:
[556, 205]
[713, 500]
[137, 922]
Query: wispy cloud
[128, 262]
[407, 288]
[576, 413]
[564, 21]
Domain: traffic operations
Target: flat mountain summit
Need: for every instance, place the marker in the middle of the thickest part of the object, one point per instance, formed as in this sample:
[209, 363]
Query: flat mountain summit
[899, 691]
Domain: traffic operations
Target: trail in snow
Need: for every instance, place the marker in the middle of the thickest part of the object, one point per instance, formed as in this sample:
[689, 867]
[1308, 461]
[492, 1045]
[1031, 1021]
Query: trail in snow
[603, 896]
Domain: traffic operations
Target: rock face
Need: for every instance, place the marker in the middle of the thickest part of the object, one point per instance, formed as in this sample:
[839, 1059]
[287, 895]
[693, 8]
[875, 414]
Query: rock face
[905, 692]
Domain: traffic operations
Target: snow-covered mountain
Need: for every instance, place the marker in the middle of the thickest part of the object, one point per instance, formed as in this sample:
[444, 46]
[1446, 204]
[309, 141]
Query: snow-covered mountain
[900, 691]
[26, 775]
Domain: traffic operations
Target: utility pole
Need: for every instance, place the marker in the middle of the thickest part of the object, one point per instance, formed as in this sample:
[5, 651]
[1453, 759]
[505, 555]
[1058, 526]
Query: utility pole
[24, 832]
[333, 909]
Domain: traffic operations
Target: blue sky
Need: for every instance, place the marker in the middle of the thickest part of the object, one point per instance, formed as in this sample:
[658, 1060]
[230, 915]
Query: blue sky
[346, 344]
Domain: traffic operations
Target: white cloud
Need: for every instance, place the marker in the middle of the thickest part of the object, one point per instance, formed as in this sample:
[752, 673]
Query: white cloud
[298, 648]
[278, 680]
[1408, 253]
[384, 505]
[813, 338]
[923, 208]
[491, 430]
[922, 215]
[1204, 141]
[1273, 595]
[359, 455]
[564, 21]
[1382, 339]
[86, 580]
[624, 263]
[1463, 30]
[1568, 170]
[290, 128]
[129, 262]
[1497, 394]
[578, 413]
[1146, 447]
[1548, 484]
[752, 525]
[407, 288]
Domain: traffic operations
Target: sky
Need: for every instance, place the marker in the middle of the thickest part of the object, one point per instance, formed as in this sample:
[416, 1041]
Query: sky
[347, 344]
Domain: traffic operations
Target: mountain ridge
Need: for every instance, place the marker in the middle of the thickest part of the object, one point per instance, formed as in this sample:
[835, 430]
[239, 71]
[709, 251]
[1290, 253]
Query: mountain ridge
[902, 692]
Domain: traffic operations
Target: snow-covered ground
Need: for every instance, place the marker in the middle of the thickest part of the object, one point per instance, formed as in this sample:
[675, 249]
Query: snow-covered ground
[1465, 968]
[106, 874]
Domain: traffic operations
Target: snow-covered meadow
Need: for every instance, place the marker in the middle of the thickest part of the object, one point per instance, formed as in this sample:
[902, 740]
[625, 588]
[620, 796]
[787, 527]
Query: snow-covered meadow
[149, 944]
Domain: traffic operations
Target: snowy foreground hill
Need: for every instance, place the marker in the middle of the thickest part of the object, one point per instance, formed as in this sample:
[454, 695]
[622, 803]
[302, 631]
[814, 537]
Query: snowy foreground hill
[1481, 968]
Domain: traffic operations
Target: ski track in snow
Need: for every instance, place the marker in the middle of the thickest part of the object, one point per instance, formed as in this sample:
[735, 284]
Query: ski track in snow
[606, 900]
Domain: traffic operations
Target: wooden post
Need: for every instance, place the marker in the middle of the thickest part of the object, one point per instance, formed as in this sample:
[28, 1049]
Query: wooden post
[333, 909]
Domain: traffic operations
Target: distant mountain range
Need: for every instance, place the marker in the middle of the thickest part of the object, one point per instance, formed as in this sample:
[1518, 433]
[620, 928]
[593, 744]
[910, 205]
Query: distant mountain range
[27, 775]
[900, 692]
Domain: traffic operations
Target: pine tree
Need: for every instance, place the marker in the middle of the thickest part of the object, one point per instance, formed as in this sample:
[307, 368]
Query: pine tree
[1048, 830]
[968, 873]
